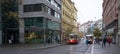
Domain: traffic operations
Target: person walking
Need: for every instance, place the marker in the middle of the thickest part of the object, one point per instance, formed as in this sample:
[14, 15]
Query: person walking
[97, 40]
[104, 42]
[86, 41]
[109, 40]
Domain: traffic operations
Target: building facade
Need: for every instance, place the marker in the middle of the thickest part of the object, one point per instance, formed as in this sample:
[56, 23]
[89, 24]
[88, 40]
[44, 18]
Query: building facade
[40, 21]
[87, 28]
[74, 19]
[110, 17]
[69, 14]
[99, 24]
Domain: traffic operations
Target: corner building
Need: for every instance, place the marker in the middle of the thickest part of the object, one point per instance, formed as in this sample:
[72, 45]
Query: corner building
[40, 21]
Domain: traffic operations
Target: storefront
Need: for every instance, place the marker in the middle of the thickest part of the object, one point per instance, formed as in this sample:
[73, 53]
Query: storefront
[41, 30]
[110, 32]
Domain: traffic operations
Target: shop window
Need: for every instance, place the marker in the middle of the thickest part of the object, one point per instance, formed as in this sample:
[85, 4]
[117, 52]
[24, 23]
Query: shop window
[38, 21]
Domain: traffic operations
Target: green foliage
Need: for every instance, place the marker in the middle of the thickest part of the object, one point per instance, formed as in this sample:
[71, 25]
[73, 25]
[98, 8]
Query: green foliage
[10, 9]
[10, 13]
[97, 32]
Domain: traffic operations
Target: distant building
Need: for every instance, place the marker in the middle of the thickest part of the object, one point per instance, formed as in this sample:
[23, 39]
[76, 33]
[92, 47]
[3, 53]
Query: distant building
[98, 24]
[87, 28]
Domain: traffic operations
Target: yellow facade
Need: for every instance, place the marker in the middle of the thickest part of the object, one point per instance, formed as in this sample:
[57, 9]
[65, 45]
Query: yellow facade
[74, 13]
[69, 16]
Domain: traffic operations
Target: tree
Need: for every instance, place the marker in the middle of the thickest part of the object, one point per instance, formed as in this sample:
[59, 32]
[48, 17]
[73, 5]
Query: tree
[10, 20]
[10, 9]
[97, 32]
[10, 13]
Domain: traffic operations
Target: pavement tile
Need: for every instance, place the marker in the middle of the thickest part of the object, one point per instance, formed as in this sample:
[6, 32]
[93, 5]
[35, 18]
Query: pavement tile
[113, 49]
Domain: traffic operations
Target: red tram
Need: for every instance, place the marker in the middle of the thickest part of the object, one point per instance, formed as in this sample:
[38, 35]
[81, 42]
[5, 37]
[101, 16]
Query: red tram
[73, 39]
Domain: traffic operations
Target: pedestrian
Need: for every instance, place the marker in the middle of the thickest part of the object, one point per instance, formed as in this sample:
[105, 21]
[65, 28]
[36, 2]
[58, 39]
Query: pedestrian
[48, 40]
[86, 41]
[97, 40]
[90, 41]
[104, 42]
[109, 40]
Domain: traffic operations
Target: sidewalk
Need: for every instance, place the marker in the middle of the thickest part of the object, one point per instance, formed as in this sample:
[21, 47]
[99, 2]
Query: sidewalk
[113, 49]
[30, 46]
[18, 48]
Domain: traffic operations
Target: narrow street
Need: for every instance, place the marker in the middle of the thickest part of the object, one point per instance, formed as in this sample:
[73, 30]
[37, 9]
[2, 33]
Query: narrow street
[80, 48]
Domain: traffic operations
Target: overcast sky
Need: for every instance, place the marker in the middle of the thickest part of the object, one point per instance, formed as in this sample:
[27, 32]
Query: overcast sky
[88, 10]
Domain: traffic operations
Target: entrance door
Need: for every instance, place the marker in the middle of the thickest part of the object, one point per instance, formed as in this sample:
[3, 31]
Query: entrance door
[13, 35]
[10, 34]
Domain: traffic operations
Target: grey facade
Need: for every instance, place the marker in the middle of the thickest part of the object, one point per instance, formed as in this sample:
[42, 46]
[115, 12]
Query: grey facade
[47, 12]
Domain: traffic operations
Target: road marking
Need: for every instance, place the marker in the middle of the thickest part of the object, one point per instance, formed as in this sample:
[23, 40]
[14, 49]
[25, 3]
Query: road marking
[92, 48]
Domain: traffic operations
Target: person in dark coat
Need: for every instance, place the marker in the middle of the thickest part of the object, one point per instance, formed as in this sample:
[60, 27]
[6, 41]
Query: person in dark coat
[104, 42]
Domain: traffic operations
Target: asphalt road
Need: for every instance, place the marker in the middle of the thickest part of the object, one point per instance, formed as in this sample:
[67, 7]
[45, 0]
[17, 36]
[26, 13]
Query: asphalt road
[80, 48]
[65, 49]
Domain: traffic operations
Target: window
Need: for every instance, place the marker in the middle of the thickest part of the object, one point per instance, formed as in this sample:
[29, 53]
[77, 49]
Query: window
[52, 12]
[32, 7]
[55, 4]
[48, 0]
[58, 7]
[52, 2]
[53, 25]
[37, 7]
[49, 11]
[27, 8]
[34, 21]
[58, 16]
[39, 22]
